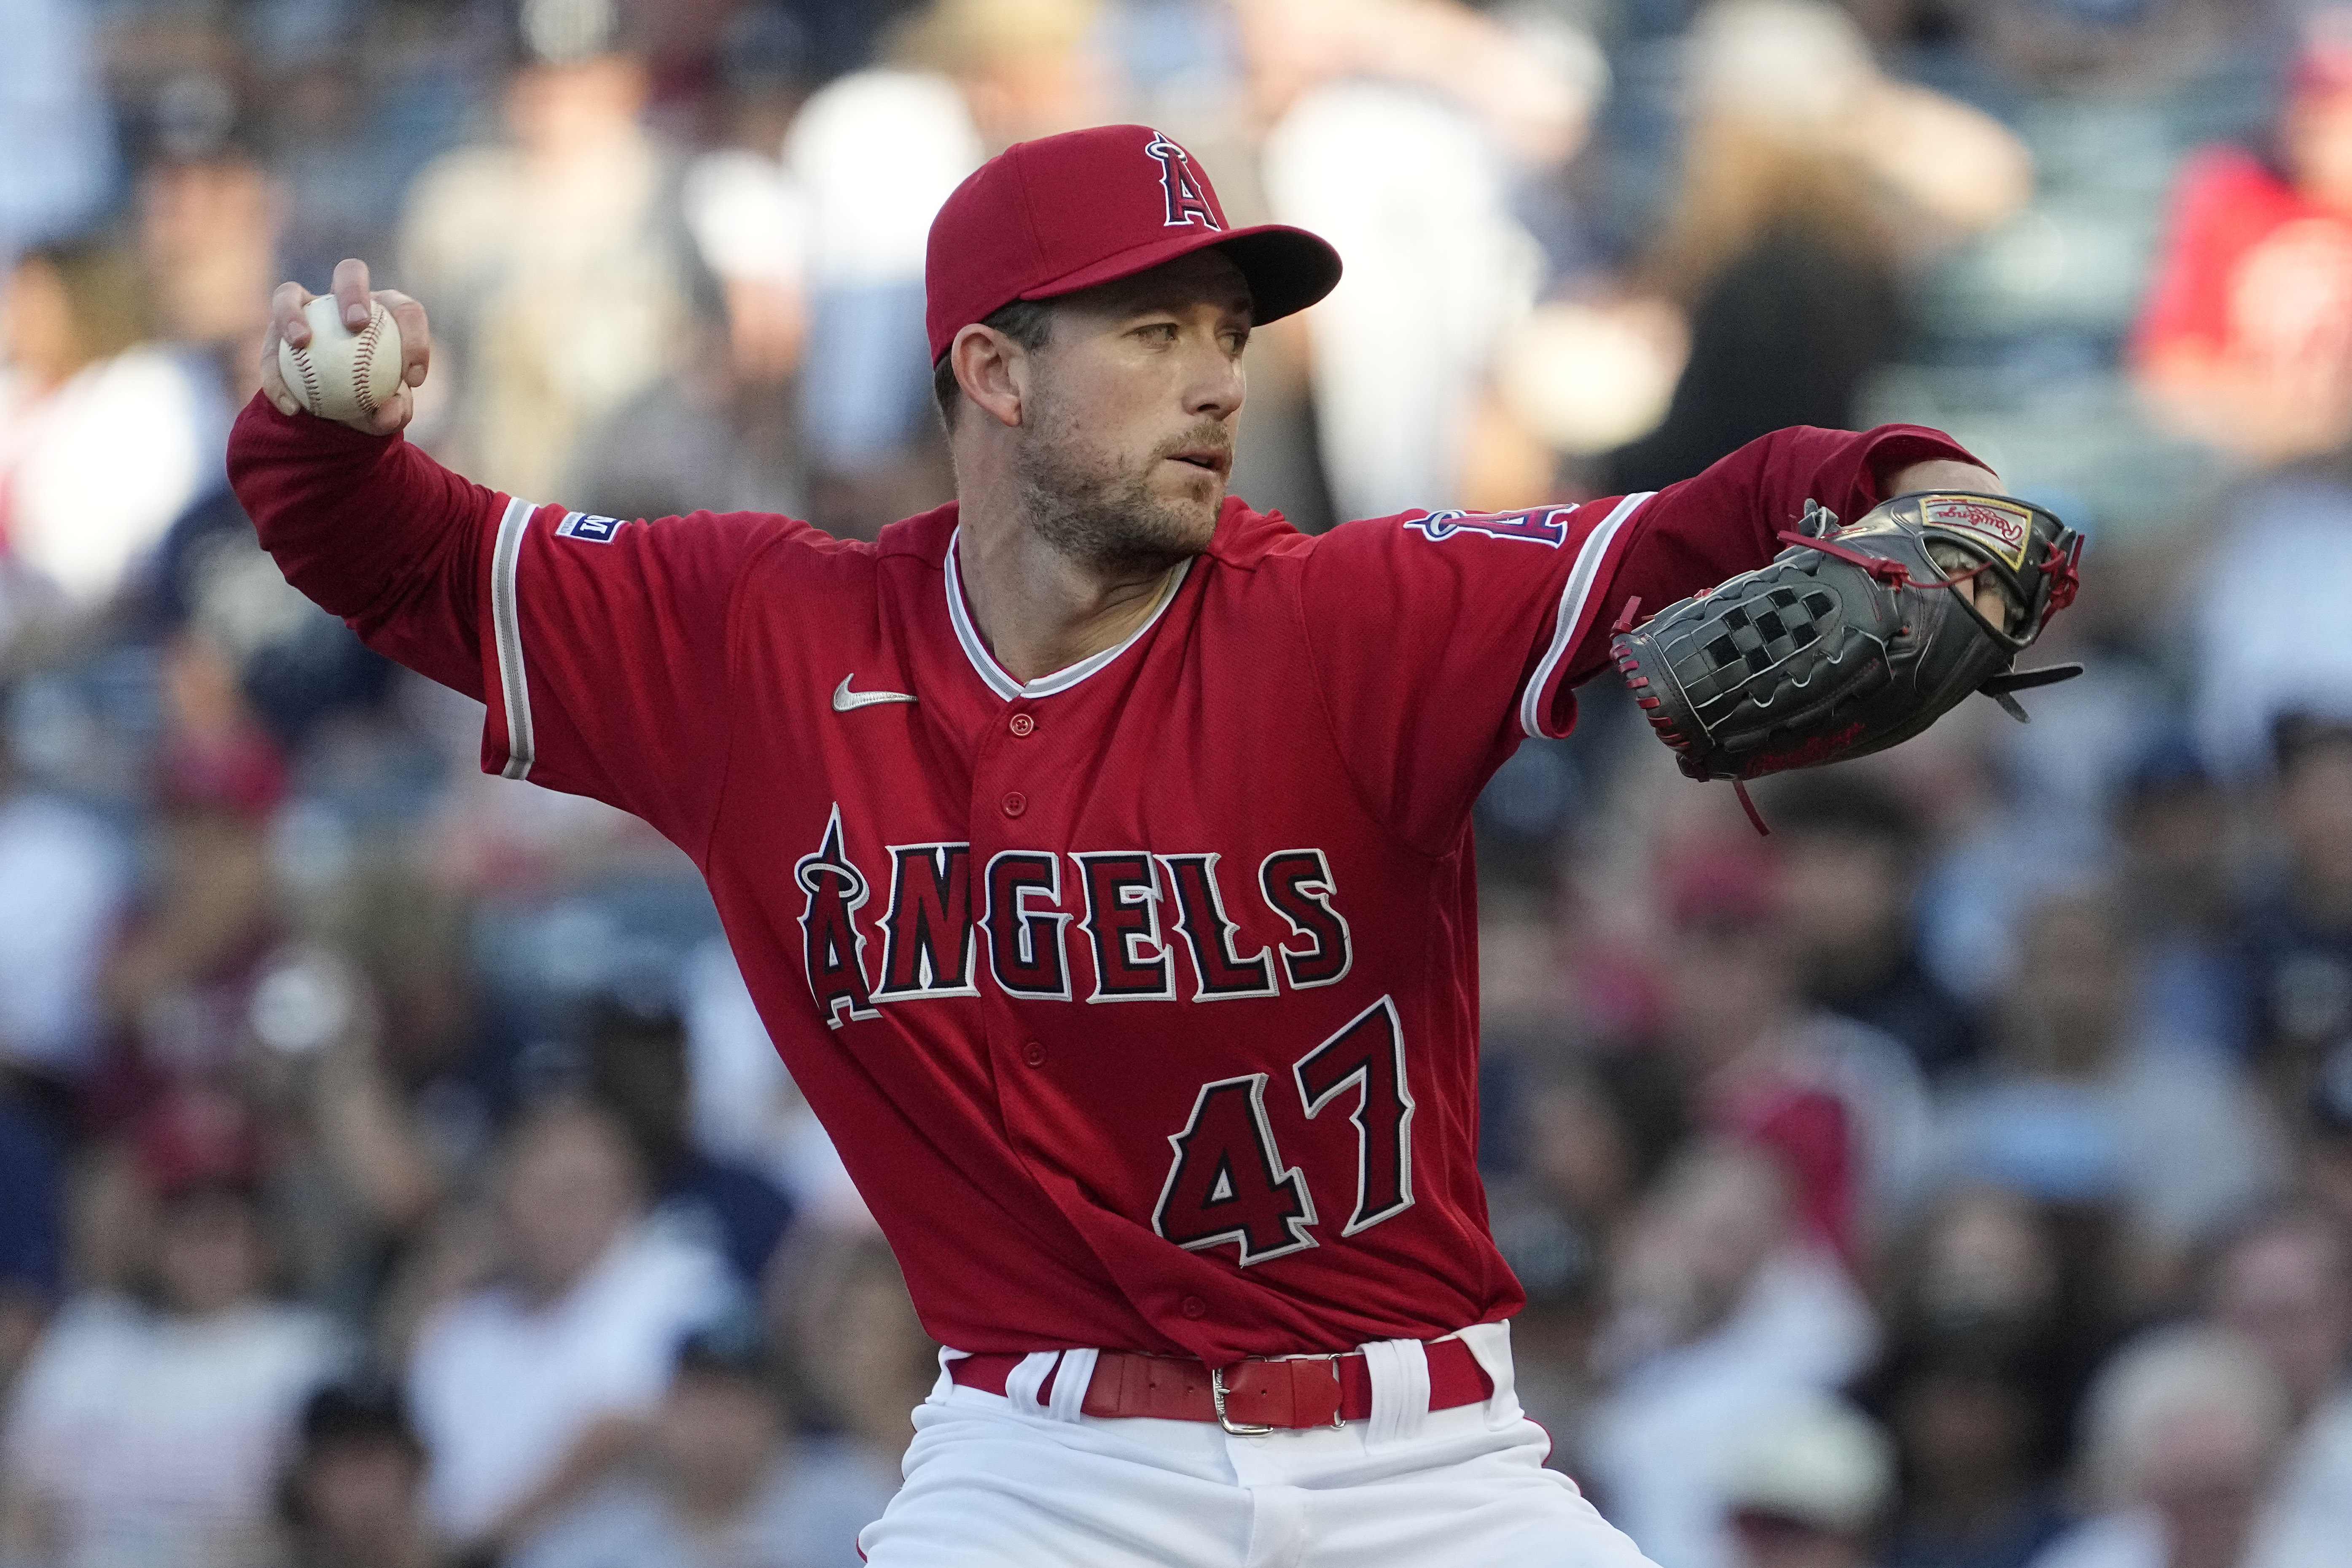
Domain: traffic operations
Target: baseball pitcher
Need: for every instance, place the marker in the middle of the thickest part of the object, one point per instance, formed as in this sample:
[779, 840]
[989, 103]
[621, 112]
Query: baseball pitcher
[1098, 848]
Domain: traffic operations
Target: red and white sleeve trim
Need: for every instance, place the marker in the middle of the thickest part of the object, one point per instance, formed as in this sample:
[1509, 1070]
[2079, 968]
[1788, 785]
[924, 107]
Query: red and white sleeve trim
[1576, 608]
[506, 627]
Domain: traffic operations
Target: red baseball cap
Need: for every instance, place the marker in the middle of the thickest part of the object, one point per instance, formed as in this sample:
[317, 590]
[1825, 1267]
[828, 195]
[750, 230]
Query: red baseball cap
[1064, 213]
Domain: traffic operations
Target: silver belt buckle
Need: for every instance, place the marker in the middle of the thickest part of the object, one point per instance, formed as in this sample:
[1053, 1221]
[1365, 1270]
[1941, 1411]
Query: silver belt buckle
[1339, 1420]
[1239, 1430]
[1217, 1397]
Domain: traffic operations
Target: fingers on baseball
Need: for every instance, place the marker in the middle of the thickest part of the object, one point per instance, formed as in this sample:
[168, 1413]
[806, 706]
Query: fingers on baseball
[286, 323]
[415, 336]
[286, 319]
[390, 415]
[350, 291]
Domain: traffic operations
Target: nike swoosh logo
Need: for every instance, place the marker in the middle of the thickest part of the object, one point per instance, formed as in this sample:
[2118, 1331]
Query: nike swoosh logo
[844, 699]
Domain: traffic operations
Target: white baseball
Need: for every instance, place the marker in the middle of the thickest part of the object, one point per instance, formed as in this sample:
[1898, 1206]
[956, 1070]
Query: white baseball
[343, 374]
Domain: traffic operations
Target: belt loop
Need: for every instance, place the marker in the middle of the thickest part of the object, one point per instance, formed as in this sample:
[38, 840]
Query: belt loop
[1399, 1370]
[1021, 1384]
[1069, 1395]
[940, 1389]
[1490, 1347]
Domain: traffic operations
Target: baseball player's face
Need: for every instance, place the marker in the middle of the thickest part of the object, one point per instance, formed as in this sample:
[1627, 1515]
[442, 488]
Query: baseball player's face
[1127, 433]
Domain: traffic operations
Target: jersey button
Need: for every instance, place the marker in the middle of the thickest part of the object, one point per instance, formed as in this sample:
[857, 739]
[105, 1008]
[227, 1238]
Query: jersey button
[1033, 1053]
[1193, 1306]
[1015, 804]
[1021, 724]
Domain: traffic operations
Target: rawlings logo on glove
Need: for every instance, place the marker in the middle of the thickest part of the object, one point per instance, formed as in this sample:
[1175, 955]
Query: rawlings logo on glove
[1853, 638]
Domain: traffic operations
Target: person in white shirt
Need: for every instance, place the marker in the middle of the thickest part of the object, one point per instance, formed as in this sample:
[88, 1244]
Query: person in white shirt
[528, 1390]
[147, 1431]
[2282, 1280]
[2183, 1437]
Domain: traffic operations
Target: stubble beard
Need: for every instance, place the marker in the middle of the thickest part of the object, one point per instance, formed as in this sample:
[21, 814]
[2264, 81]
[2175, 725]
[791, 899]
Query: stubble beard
[1100, 513]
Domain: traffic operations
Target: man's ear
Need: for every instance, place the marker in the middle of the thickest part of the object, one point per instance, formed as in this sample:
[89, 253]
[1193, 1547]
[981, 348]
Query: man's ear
[992, 370]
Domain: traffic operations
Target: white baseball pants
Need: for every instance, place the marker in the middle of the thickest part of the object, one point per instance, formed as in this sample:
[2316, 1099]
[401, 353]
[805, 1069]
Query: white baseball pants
[1002, 1481]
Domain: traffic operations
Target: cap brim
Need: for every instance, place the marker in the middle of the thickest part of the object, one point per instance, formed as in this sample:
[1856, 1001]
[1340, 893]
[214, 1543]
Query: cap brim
[1288, 269]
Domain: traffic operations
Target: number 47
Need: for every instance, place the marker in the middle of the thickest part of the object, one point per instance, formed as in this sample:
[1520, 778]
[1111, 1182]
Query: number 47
[1228, 1182]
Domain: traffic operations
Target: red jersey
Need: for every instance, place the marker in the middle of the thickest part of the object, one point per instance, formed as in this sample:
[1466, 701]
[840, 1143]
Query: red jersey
[1141, 1000]
[2247, 265]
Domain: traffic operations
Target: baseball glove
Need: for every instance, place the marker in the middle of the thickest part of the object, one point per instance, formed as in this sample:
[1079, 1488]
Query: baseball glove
[1853, 638]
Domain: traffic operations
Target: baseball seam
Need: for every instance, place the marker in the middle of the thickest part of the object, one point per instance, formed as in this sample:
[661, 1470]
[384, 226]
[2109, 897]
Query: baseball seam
[312, 397]
[364, 360]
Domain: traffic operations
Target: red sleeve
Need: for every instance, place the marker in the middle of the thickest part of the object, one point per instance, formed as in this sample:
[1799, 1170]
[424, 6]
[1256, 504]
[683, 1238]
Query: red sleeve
[373, 531]
[1438, 640]
[600, 645]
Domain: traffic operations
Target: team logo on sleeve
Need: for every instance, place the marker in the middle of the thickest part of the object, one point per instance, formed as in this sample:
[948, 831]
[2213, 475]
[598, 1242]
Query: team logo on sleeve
[588, 526]
[1188, 200]
[1543, 525]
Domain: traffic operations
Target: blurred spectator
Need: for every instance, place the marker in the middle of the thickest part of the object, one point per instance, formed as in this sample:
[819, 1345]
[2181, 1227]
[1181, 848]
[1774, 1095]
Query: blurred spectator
[555, 262]
[1840, 1102]
[178, 987]
[294, 664]
[1973, 1411]
[147, 1430]
[2179, 879]
[1807, 1492]
[1456, 115]
[2282, 1281]
[57, 146]
[2182, 1443]
[856, 1354]
[637, 1071]
[721, 431]
[72, 867]
[2296, 938]
[1725, 1311]
[353, 1495]
[878, 151]
[1414, 192]
[352, 1176]
[1988, 1268]
[727, 1485]
[2269, 571]
[79, 504]
[2245, 340]
[1588, 1136]
[528, 1390]
[2075, 1109]
[32, 1234]
[209, 214]
[746, 1106]
[1853, 851]
[1806, 175]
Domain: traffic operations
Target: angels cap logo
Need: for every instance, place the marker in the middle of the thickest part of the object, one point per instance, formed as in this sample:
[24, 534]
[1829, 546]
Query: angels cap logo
[2004, 528]
[1188, 201]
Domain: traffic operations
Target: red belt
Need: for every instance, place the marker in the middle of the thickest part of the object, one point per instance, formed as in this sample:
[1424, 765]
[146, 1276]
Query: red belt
[1248, 1397]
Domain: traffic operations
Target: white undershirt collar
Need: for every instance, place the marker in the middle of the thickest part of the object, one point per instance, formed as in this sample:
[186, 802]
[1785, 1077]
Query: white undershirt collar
[993, 673]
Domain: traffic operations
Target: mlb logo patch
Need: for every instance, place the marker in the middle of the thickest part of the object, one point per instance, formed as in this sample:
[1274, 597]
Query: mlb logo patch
[588, 526]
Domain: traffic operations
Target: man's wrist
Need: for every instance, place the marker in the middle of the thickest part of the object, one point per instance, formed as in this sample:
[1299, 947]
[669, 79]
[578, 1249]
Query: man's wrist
[1941, 474]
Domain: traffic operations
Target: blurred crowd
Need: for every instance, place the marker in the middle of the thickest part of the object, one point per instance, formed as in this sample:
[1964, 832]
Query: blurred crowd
[392, 1171]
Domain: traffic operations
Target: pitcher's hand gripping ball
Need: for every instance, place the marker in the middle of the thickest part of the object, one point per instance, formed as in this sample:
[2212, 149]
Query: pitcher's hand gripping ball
[1853, 638]
[343, 374]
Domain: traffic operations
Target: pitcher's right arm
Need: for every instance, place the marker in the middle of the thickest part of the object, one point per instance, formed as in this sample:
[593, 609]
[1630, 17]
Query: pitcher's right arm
[600, 645]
